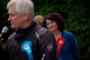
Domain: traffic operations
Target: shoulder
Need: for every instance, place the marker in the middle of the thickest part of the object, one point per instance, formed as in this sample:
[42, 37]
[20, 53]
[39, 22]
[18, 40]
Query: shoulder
[67, 33]
[41, 30]
[44, 32]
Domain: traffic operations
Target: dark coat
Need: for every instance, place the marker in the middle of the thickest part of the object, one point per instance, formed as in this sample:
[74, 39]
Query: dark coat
[43, 45]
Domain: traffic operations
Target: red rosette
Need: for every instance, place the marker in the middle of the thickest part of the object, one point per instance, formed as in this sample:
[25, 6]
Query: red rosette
[60, 43]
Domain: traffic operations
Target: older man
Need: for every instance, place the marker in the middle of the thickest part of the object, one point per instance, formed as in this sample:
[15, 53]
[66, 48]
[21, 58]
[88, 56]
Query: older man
[30, 41]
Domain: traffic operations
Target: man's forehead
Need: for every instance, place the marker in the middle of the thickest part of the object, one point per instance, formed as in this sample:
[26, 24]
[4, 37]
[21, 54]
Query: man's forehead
[12, 9]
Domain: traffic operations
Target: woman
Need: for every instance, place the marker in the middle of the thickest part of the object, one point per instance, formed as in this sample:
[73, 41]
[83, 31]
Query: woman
[66, 43]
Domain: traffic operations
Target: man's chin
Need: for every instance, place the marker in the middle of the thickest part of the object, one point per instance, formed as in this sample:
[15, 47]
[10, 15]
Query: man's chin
[13, 26]
[51, 30]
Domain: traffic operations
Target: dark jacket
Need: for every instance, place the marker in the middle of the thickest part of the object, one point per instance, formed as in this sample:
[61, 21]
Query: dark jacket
[43, 44]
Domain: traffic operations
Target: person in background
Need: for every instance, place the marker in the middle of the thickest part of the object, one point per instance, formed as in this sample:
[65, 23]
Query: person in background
[67, 48]
[39, 19]
[29, 41]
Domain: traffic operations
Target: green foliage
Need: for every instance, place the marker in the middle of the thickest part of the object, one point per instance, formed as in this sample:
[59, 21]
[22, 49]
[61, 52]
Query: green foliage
[3, 12]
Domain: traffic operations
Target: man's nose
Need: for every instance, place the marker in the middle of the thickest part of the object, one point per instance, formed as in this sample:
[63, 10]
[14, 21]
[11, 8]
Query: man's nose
[9, 18]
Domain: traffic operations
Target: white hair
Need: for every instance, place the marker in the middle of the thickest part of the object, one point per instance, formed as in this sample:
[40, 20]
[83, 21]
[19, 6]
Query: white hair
[22, 6]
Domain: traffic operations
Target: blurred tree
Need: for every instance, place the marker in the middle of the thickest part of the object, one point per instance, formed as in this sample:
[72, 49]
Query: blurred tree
[3, 13]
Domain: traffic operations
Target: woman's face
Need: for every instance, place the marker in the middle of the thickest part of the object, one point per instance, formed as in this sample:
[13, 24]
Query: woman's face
[51, 25]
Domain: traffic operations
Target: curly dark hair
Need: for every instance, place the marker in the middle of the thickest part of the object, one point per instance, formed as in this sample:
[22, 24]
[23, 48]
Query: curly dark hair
[57, 18]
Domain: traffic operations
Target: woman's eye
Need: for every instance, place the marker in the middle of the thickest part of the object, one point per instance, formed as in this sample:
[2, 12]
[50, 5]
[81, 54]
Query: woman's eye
[47, 23]
[52, 21]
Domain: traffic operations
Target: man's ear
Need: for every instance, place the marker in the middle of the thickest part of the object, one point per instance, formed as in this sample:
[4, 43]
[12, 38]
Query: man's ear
[26, 16]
